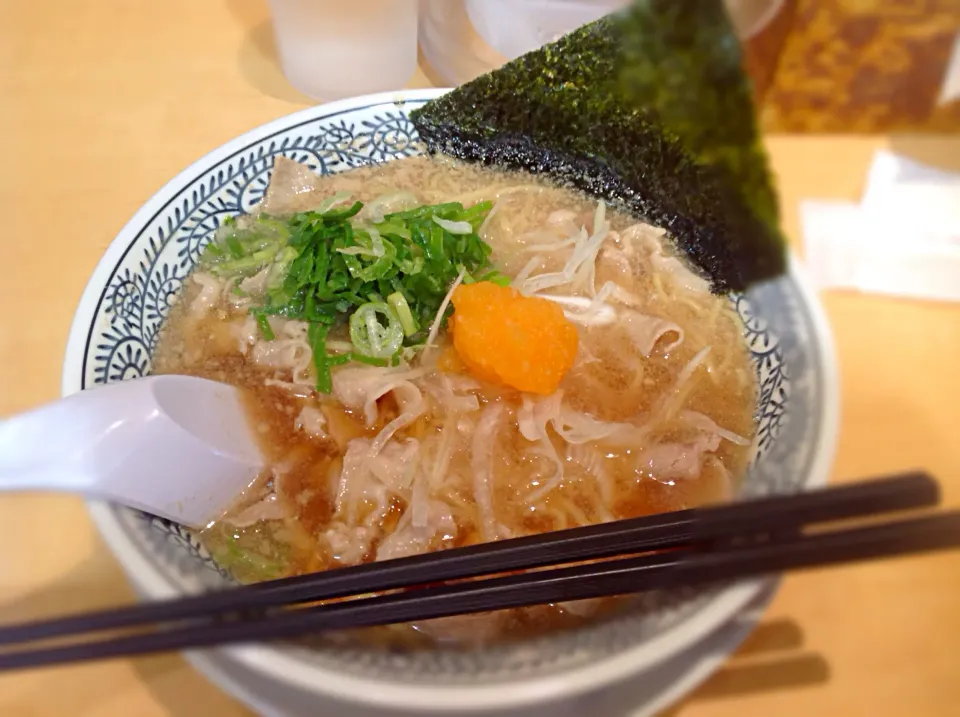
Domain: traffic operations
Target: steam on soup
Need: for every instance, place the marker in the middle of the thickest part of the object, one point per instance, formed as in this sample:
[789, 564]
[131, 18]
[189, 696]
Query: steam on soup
[391, 431]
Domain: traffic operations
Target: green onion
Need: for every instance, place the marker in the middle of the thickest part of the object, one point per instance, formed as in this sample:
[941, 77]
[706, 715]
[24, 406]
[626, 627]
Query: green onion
[339, 359]
[327, 204]
[233, 244]
[372, 338]
[477, 211]
[335, 215]
[401, 308]
[383, 280]
[354, 356]
[497, 278]
[317, 335]
[264, 325]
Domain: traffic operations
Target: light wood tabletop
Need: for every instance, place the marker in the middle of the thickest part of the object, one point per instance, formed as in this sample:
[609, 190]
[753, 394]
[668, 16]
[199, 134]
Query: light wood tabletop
[103, 101]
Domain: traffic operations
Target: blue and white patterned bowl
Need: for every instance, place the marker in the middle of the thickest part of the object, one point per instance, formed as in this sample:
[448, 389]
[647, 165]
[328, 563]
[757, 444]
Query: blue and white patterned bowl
[115, 330]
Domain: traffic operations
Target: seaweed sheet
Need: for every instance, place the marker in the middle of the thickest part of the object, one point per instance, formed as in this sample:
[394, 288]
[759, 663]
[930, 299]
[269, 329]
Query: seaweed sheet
[649, 109]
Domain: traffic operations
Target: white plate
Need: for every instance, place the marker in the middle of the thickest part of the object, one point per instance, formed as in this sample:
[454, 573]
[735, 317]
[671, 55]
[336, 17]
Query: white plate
[643, 695]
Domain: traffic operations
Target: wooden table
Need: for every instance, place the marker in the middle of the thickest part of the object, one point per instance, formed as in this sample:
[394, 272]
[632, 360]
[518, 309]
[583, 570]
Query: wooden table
[103, 101]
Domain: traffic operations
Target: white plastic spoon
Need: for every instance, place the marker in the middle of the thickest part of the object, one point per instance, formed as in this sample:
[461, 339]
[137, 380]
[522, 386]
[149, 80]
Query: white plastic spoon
[177, 447]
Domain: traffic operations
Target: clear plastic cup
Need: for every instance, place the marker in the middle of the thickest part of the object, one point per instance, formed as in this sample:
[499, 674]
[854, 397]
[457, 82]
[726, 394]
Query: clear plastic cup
[339, 48]
[514, 27]
[751, 17]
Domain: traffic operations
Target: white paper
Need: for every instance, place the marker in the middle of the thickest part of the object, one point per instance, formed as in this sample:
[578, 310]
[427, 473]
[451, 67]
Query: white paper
[898, 187]
[902, 239]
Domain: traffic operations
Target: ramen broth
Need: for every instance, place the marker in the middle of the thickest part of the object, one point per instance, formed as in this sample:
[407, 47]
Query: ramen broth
[656, 413]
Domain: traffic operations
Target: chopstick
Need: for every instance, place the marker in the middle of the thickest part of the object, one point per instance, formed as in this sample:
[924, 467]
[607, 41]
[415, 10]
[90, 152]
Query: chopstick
[915, 489]
[618, 577]
[756, 546]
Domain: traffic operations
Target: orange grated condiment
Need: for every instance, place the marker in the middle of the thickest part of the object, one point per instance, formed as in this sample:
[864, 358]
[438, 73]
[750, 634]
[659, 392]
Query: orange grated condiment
[510, 339]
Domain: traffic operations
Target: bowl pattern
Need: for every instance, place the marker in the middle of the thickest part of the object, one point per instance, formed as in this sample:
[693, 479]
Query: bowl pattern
[161, 251]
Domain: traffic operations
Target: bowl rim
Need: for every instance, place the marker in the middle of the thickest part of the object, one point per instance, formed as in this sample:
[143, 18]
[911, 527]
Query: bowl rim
[286, 667]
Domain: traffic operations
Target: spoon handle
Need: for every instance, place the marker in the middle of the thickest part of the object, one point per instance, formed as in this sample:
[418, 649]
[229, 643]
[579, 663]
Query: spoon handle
[178, 447]
[57, 446]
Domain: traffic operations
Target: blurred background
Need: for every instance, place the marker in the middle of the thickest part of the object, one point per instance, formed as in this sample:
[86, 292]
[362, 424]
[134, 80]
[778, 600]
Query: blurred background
[817, 65]
[104, 101]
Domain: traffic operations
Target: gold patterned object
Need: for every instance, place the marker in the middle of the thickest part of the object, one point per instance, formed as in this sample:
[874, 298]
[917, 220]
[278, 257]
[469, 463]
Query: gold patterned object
[864, 66]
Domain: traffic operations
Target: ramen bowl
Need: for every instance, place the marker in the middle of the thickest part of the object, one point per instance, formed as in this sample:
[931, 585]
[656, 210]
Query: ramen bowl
[115, 331]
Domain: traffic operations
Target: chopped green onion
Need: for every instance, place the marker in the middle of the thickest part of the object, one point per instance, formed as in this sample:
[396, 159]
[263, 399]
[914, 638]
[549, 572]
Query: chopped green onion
[477, 211]
[393, 228]
[336, 215]
[425, 212]
[401, 308]
[497, 278]
[265, 327]
[317, 335]
[354, 356]
[234, 246]
[372, 338]
[385, 279]
[339, 359]
[327, 204]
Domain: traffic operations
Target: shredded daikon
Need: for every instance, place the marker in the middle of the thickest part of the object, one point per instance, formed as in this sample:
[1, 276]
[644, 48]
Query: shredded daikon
[527, 269]
[482, 231]
[591, 460]
[687, 371]
[454, 227]
[481, 463]
[546, 448]
[441, 459]
[444, 394]
[572, 426]
[581, 263]
[591, 314]
[707, 424]
[438, 319]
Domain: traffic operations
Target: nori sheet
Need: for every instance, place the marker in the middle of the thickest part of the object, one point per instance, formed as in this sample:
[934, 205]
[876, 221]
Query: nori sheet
[648, 109]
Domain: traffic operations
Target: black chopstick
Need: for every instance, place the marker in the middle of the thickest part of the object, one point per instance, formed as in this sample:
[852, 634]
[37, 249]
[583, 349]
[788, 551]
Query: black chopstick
[915, 489]
[663, 531]
[614, 577]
